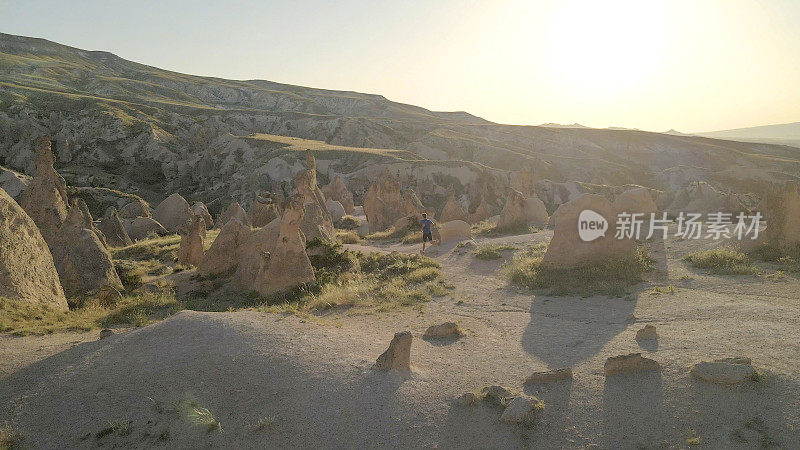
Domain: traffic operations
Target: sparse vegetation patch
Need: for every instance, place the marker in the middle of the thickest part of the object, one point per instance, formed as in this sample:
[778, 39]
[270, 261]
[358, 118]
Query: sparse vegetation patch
[612, 277]
[489, 251]
[722, 261]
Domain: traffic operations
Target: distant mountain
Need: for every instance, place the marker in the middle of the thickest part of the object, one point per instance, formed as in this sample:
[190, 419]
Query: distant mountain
[135, 128]
[784, 133]
[558, 125]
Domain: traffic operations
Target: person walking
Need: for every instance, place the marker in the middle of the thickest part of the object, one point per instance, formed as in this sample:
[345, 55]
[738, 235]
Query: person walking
[427, 235]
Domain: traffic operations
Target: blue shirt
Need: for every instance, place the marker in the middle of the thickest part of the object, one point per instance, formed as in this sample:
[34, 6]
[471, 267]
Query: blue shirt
[426, 225]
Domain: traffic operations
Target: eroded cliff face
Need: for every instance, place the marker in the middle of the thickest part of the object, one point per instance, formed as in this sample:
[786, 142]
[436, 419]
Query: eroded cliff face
[126, 126]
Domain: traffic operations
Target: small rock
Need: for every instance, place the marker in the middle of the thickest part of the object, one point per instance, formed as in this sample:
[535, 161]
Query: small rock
[106, 333]
[724, 371]
[465, 399]
[564, 373]
[628, 364]
[648, 332]
[496, 395]
[631, 318]
[522, 409]
[398, 355]
[447, 329]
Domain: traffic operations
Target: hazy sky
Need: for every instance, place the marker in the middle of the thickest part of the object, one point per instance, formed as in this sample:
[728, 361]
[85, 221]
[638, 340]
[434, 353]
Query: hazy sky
[693, 65]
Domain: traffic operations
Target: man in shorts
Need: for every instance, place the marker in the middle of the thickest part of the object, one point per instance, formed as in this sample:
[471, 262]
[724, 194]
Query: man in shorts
[427, 235]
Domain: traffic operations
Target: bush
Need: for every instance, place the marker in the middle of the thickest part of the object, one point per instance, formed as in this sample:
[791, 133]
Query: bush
[347, 223]
[722, 261]
[348, 237]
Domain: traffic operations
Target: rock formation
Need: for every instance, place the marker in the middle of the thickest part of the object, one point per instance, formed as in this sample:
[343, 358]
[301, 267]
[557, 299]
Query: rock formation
[173, 212]
[288, 265]
[452, 210]
[263, 211]
[45, 200]
[13, 183]
[648, 332]
[636, 201]
[27, 272]
[564, 373]
[113, 230]
[234, 211]
[317, 221]
[335, 209]
[725, 371]
[567, 249]
[520, 211]
[443, 330]
[223, 256]
[481, 212]
[781, 209]
[398, 355]
[83, 263]
[383, 203]
[134, 209]
[252, 254]
[701, 197]
[88, 221]
[522, 409]
[453, 231]
[200, 209]
[629, 364]
[190, 252]
[524, 183]
[142, 227]
[337, 191]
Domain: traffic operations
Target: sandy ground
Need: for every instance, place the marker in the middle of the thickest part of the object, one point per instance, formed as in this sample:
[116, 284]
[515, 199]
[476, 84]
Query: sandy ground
[309, 382]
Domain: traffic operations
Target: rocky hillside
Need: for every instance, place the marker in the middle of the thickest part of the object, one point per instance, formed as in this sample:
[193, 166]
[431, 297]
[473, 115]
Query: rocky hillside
[139, 129]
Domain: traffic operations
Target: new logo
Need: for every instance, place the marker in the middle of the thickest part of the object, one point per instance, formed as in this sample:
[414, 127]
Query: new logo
[591, 225]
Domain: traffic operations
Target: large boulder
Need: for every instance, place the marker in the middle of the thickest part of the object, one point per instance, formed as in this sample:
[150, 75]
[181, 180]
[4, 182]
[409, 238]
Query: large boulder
[383, 202]
[335, 209]
[27, 272]
[173, 212]
[567, 249]
[142, 227]
[223, 256]
[190, 252]
[13, 183]
[452, 210]
[262, 211]
[200, 209]
[636, 201]
[45, 200]
[113, 230]
[135, 208]
[316, 224]
[520, 211]
[288, 265]
[234, 211]
[84, 264]
[337, 191]
[453, 231]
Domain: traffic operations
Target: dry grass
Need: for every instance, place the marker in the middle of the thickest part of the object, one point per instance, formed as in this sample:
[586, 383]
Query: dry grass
[490, 229]
[489, 251]
[10, 438]
[722, 261]
[136, 310]
[612, 277]
[347, 237]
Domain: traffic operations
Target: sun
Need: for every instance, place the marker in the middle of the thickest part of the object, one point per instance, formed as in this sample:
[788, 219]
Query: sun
[607, 47]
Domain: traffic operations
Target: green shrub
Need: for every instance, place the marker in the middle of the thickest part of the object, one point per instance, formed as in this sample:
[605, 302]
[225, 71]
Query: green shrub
[722, 261]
